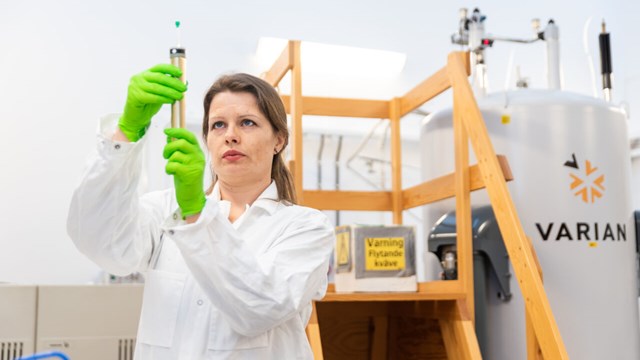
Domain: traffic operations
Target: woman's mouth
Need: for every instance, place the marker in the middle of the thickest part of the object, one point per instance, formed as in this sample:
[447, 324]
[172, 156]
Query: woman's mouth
[232, 155]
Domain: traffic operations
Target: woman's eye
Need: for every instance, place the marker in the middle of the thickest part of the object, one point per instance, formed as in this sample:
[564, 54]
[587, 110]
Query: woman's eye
[217, 125]
[247, 122]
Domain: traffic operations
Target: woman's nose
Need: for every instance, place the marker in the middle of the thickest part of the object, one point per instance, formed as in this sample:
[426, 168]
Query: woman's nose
[231, 135]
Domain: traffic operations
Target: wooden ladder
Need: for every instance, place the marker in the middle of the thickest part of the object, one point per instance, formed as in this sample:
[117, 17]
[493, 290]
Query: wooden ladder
[450, 302]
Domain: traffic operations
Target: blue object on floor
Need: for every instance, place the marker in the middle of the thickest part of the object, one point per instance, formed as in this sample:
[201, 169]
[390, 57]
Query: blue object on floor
[51, 354]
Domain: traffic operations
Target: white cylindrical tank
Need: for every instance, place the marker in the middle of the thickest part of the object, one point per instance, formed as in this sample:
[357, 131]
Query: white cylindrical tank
[569, 156]
[635, 171]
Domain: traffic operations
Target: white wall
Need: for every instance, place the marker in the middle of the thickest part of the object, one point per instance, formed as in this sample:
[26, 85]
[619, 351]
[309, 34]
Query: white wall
[65, 63]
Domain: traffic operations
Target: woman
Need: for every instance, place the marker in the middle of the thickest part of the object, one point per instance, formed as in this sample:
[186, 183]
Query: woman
[229, 274]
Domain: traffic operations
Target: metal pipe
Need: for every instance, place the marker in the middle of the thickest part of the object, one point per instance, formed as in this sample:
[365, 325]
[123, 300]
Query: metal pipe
[551, 37]
[477, 46]
[471, 32]
[337, 179]
[493, 38]
[605, 61]
[360, 147]
[449, 264]
[319, 160]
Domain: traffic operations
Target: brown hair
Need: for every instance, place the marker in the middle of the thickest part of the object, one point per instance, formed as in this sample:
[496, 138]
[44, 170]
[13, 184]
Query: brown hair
[271, 106]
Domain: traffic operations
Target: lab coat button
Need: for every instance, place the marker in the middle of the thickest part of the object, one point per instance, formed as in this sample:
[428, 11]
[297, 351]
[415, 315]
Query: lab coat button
[170, 232]
[117, 146]
[175, 216]
[200, 302]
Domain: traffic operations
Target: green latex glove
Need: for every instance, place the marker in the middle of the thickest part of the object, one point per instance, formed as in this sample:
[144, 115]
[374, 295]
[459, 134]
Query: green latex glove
[147, 92]
[186, 163]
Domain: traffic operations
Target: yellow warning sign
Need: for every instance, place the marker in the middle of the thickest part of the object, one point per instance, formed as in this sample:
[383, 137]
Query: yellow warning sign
[384, 253]
[342, 248]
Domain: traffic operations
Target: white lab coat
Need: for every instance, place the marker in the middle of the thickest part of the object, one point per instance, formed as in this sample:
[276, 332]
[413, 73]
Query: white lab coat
[213, 290]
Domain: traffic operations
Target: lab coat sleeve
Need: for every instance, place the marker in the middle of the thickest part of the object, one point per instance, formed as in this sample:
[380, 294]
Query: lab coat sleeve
[258, 292]
[107, 221]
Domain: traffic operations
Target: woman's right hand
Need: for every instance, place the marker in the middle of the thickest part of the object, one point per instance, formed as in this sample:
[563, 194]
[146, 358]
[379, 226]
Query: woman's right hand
[147, 92]
[186, 162]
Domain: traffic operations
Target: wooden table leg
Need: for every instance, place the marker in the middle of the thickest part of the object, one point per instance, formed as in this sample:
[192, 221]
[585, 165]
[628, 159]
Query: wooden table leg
[459, 334]
[313, 334]
[380, 336]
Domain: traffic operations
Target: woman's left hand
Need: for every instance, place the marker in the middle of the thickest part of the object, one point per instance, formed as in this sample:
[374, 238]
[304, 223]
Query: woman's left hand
[186, 163]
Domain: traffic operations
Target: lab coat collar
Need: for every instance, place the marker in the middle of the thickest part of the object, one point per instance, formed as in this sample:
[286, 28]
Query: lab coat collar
[268, 200]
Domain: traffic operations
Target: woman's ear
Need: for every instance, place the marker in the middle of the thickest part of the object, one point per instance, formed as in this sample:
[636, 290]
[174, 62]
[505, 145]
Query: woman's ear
[279, 144]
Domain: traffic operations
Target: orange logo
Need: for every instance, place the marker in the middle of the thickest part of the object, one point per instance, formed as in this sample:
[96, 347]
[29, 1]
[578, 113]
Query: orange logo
[590, 185]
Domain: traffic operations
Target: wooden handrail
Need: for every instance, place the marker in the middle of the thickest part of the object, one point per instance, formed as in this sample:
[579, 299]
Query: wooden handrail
[296, 106]
[533, 346]
[357, 108]
[396, 160]
[513, 234]
[425, 193]
[348, 200]
[464, 231]
[280, 67]
[444, 187]
[425, 91]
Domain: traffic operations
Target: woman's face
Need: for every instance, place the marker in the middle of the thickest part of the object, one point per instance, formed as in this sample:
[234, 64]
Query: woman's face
[241, 140]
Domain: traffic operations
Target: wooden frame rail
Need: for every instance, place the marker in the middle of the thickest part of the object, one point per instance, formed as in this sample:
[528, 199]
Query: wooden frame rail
[491, 172]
